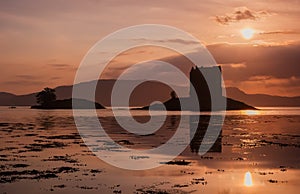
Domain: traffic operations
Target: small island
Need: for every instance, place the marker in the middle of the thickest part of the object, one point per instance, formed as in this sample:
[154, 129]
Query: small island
[202, 93]
[47, 100]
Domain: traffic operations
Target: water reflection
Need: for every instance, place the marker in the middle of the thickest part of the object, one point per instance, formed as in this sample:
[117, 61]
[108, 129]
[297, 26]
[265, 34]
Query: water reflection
[251, 112]
[202, 126]
[161, 136]
[46, 120]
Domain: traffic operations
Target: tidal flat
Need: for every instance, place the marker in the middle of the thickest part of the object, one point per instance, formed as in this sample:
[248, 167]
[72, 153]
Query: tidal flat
[41, 151]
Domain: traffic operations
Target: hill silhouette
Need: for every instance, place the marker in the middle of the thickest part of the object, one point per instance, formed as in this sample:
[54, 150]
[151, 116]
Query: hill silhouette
[262, 99]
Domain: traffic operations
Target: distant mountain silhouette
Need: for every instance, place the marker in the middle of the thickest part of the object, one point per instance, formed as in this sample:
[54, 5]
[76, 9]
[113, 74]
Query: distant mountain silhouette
[262, 99]
[8, 99]
[143, 94]
[139, 98]
[67, 104]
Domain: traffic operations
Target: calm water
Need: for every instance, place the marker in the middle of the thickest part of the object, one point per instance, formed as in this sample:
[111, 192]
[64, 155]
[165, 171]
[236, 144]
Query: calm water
[256, 152]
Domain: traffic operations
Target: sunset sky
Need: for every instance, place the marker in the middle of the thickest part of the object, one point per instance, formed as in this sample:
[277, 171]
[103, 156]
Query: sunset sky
[256, 42]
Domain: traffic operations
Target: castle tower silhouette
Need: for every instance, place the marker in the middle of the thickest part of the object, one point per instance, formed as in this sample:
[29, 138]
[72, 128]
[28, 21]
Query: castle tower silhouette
[201, 88]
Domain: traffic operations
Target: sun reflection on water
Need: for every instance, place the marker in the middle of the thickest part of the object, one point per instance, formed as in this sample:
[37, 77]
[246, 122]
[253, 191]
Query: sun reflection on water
[250, 112]
[248, 179]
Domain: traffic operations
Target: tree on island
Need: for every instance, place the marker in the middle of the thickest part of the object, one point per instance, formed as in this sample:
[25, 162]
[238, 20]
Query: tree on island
[173, 95]
[46, 97]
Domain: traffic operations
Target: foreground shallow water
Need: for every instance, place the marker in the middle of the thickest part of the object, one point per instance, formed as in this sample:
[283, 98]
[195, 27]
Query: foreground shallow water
[256, 152]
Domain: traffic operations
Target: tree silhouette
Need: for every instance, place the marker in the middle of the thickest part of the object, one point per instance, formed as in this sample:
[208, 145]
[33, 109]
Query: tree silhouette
[173, 95]
[45, 97]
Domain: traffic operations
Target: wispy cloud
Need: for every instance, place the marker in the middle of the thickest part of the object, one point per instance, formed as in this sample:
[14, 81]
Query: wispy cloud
[269, 85]
[61, 66]
[241, 13]
[279, 32]
[55, 78]
[271, 81]
[175, 40]
[25, 82]
[26, 77]
[233, 65]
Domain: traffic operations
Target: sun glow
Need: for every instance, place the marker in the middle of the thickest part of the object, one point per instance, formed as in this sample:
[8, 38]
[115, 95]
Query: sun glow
[248, 179]
[247, 33]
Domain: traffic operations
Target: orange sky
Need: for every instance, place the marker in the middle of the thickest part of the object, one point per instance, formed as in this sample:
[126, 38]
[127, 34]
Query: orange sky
[43, 42]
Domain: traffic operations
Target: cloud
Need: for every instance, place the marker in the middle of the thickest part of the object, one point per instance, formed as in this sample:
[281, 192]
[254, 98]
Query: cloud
[280, 61]
[24, 79]
[55, 78]
[279, 32]
[270, 85]
[272, 69]
[25, 82]
[241, 13]
[30, 77]
[233, 65]
[61, 66]
[133, 52]
[174, 40]
[270, 81]
[180, 41]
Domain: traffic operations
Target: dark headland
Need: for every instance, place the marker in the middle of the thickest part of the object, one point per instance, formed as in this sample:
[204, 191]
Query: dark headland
[173, 104]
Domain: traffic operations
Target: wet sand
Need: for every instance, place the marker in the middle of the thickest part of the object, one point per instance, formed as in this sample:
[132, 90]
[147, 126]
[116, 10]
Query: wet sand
[42, 152]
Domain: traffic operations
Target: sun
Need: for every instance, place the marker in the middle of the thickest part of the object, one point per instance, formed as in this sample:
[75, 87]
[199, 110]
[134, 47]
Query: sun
[247, 33]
